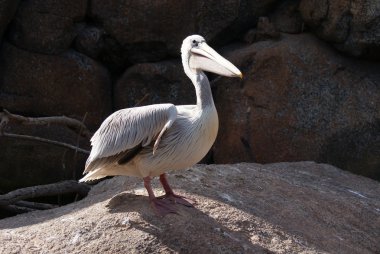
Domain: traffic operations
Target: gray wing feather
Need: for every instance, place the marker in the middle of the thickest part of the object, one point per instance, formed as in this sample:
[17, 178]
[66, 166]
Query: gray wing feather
[131, 127]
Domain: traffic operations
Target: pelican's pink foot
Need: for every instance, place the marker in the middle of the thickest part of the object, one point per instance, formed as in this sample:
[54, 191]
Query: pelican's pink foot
[165, 204]
[177, 199]
[162, 207]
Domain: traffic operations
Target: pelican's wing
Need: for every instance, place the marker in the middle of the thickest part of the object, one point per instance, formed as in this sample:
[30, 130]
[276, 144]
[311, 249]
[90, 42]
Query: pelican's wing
[126, 130]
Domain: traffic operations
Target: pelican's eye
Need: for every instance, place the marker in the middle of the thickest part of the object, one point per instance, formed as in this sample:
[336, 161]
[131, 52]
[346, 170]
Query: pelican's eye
[195, 43]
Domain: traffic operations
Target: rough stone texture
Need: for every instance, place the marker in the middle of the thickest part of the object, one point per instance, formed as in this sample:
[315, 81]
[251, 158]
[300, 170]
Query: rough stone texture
[71, 84]
[265, 31]
[245, 208]
[33, 84]
[46, 26]
[89, 41]
[141, 31]
[164, 82]
[8, 9]
[287, 18]
[28, 163]
[352, 26]
[299, 100]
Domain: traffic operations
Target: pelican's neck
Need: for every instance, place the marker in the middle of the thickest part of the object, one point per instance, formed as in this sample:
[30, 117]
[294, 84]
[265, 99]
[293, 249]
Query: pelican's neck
[201, 84]
[202, 90]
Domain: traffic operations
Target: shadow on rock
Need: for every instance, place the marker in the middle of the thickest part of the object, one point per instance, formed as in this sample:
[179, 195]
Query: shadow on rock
[190, 227]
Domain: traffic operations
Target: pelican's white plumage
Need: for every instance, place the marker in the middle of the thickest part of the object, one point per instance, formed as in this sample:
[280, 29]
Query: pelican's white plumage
[151, 140]
[127, 128]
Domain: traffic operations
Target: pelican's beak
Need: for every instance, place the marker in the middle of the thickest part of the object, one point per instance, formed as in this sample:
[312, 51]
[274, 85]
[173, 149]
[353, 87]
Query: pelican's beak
[205, 58]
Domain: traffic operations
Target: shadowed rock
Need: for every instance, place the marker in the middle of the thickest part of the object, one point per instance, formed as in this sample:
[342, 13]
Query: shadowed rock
[28, 163]
[46, 26]
[71, 84]
[150, 30]
[8, 9]
[162, 82]
[351, 26]
[287, 18]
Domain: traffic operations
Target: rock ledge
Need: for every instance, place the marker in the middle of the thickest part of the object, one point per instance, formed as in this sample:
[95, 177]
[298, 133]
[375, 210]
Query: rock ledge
[301, 207]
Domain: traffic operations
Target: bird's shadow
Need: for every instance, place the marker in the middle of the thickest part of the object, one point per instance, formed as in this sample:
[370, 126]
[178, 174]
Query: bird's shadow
[117, 202]
[188, 227]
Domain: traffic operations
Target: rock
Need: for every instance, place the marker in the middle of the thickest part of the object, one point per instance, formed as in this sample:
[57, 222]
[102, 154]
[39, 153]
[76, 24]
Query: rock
[46, 27]
[287, 18]
[250, 36]
[35, 84]
[298, 98]
[28, 163]
[90, 41]
[162, 82]
[68, 84]
[266, 30]
[353, 27]
[8, 9]
[146, 31]
[245, 208]
[355, 149]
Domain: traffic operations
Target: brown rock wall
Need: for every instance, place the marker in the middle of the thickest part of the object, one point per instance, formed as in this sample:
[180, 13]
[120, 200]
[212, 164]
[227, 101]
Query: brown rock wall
[300, 99]
[69, 84]
[297, 95]
[47, 27]
[351, 26]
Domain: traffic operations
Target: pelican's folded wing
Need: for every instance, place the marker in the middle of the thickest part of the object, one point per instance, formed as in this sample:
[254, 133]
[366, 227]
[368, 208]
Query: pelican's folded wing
[130, 128]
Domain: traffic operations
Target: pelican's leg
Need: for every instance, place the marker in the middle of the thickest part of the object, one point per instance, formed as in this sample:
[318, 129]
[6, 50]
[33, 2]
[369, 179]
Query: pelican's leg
[160, 206]
[169, 194]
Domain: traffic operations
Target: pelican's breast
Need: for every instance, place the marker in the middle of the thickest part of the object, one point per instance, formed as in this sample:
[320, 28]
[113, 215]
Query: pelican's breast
[197, 131]
[185, 143]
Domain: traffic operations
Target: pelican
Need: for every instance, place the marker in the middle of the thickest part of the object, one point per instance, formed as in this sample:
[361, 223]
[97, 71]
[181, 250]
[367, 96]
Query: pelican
[150, 140]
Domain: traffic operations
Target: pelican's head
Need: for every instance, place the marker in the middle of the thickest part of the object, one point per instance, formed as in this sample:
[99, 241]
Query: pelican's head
[197, 55]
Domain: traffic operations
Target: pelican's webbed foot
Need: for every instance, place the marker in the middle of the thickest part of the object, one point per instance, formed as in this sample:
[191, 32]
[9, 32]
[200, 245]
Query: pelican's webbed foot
[177, 199]
[174, 198]
[162, 207]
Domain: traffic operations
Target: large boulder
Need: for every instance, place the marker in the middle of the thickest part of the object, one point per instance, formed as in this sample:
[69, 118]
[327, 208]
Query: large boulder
[352, 26]
[8, 9]
[33, 84]
[89, 40]
[46, 26]
[28, 162]
[287, 18]
[245, 208]
[161, 82]
[143, 31]
[300, 100]
[46, 85]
